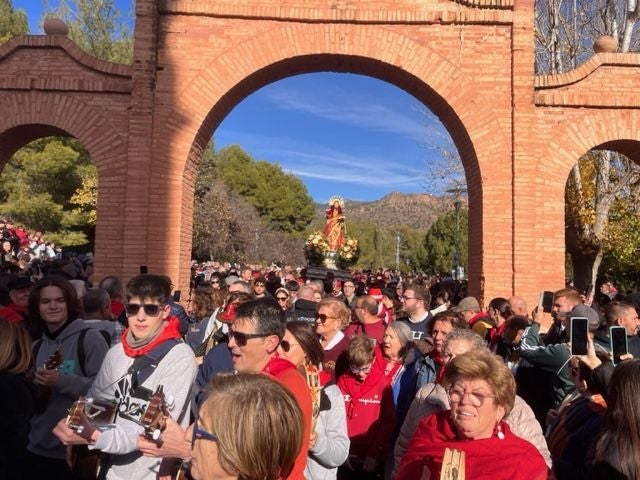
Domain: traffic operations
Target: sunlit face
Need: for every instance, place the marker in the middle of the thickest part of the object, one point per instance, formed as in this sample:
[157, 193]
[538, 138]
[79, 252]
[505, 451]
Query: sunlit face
[391, 344]
[348, 288]
[295, 354]
[441, 329]
[561, 305]
[253, 356]
[317, 296]
[142, 324]
[259, 288]
[53, 307]
[410, 302]
[205, 464]
[327, 325]
[629, 320]
[361, 373]
[471, 420]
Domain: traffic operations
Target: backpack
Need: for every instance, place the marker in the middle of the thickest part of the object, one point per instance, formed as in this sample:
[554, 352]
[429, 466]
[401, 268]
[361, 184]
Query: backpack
[81, 353]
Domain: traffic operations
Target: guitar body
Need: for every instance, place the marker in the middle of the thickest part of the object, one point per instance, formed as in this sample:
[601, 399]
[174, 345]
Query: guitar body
[85, 463]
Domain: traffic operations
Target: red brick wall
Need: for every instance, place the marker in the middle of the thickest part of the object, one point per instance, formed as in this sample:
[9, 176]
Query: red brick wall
[469, 61]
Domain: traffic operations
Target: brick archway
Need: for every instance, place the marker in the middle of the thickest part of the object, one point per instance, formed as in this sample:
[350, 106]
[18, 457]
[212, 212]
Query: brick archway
[433, 80]
[43, 115]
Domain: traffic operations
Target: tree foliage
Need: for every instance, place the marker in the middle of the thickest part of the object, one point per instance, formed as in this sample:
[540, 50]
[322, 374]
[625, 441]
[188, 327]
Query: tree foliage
[440, 243]
[98, 28]
[41, 188]
[280, 198]
[227, 226]
[12, 22]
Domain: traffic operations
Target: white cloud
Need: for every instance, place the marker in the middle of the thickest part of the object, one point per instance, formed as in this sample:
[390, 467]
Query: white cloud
[360, 111]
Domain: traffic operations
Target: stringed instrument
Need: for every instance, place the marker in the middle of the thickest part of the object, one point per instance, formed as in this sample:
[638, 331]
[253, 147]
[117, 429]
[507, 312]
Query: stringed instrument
[43, 395]
[154, 418]
[85, 463]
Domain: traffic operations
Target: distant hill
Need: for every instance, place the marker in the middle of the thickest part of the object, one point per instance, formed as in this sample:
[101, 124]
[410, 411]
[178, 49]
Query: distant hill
[417, 210]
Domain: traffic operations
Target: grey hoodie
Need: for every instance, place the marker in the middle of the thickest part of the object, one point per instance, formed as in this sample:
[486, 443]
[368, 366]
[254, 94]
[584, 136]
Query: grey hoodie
[71, 383]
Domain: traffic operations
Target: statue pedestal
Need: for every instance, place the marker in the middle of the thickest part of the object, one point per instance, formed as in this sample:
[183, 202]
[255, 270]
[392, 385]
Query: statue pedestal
[320, 273]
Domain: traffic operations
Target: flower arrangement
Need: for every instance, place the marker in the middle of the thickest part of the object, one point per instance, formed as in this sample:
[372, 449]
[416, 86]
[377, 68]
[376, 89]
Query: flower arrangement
[315, 248]
[348, 253]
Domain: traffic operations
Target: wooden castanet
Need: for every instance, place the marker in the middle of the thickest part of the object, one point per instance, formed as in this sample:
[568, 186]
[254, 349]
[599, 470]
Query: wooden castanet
[452, 465]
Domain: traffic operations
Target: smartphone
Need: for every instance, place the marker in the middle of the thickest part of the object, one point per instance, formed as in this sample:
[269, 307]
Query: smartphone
[143, 270]
[579, 330]
[176, 295]
[546, 301]
[619, 346]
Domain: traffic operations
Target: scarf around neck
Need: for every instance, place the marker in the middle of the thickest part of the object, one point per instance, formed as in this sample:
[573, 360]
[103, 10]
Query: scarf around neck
[168, 330]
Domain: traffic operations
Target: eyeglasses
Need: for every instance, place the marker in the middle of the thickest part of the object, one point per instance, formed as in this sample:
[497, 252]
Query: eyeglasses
[200, 434]
[404, 297]
[282, 299]
[322, 318]
[242, 338]
[477, 399]
[259, 285]
[365, 369]
[150, 309]
[215, 282]
[286, 345]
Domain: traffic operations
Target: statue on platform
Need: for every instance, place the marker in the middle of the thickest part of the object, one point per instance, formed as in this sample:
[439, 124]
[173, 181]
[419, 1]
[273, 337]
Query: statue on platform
[335, 229]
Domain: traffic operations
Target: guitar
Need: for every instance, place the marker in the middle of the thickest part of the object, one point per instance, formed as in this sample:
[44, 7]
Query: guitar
[452, 465]
[44, 392]
[85, 463]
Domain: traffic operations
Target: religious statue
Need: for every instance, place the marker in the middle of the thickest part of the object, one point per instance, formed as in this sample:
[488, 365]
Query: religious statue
[335, 229]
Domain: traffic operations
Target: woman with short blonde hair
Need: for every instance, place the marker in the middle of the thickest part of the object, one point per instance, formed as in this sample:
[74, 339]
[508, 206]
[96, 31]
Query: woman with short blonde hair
[15, 349]
[332, 316]
[249, 427]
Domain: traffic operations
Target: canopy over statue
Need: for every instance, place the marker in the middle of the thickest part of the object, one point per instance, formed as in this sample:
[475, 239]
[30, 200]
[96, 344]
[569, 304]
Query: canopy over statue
[335, 228]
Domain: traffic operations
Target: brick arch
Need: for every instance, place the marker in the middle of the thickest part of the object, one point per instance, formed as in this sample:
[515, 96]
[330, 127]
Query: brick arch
[601, 130]
[31, 115]
[413, 67]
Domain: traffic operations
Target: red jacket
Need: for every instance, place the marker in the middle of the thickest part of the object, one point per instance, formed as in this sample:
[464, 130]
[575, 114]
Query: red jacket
[371, 416]
[287, 375]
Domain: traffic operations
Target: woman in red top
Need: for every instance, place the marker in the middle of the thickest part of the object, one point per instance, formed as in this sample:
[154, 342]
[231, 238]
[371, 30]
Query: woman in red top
[482, 391]
[370, 412]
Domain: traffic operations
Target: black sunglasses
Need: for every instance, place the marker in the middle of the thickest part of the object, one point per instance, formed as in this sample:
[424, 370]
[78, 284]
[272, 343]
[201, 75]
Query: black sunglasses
[322, 317]
[286, 345]
[150, 309]
[242, 338]
[281, 299]
[199, 433]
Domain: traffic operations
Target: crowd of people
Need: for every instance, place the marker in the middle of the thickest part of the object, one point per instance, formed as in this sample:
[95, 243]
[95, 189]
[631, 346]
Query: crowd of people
[265, 373]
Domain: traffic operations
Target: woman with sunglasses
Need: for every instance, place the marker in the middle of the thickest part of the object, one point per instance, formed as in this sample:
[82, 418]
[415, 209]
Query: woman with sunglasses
[282, 297]
[240, 432]
[481, 391]
[329, 445]
[332, 316]
[371, 418]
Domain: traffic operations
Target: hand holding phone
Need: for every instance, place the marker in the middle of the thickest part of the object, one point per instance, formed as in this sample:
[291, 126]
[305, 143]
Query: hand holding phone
[546, 301]
[619, 346]
[579, 333]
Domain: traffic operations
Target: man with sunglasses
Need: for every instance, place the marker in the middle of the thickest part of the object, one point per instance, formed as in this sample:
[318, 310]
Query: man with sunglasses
[253, 341]
[151, 354]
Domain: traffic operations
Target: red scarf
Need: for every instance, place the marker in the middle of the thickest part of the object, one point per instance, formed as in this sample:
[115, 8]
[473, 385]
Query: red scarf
[496, 335]
[170, 331]
[350, 385]
[485, 459]
[277, 365]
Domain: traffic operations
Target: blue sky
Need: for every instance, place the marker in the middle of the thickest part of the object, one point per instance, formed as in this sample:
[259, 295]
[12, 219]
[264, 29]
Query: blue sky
[342, 134]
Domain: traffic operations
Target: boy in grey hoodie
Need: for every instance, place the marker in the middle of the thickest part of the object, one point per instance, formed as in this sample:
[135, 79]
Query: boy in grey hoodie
[152, 333]
[53, 304]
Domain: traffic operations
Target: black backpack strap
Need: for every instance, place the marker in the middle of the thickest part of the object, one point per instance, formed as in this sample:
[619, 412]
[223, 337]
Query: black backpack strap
[144, 366]
[82, 355]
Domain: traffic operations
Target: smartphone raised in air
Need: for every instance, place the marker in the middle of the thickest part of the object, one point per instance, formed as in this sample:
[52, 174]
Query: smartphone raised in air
[619, 346]
[579, 330]
[546, 301]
